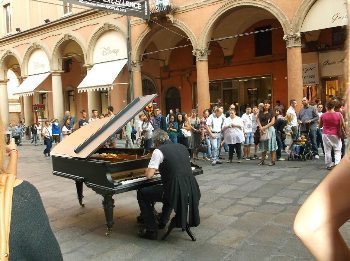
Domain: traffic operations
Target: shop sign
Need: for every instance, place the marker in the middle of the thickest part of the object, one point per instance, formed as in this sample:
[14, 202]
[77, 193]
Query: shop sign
[138, 8]
[310, 74]
[38, 107]
[332, 63]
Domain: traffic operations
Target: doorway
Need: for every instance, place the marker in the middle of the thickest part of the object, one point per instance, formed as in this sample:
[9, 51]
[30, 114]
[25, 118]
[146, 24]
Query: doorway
[172, 99]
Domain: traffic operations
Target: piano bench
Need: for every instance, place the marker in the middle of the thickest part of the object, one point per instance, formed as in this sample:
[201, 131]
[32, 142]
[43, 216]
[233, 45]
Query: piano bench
[173, 225]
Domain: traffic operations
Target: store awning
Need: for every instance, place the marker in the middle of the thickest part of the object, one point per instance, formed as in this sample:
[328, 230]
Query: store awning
[326, 14]
[28, 86]
[102, 76]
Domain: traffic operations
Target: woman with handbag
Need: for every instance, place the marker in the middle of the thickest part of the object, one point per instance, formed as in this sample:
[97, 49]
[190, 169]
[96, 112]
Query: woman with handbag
[268, 143]
[195, 139]
[184, 130]
[172, 128]
[332, 123]
[25, 232]
[205, 137]
[233, 135]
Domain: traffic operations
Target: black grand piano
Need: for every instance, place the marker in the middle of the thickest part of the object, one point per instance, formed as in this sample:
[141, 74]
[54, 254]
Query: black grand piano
[108, 171]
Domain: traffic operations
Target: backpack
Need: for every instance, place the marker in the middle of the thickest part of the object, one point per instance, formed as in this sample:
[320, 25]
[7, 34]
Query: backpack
[7, 182]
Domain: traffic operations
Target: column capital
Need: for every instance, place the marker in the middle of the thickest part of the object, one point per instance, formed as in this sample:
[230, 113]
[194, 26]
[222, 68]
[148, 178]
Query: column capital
[57, 73]
[292, 40]
[201, 54]
[136, 66]
[88, 66]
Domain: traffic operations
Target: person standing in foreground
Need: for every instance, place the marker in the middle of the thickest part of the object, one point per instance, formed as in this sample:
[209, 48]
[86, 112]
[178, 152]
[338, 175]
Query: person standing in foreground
[331, 122]
[308, 119]
[247, 119]
[292, 115]
[233, 135]
[214, 126]
[266, 121]
[47, 134]
[319, 219]
[179, 192]
[31, 237]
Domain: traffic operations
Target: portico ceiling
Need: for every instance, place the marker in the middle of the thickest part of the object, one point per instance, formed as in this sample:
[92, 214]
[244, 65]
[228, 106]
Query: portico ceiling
[236, 22]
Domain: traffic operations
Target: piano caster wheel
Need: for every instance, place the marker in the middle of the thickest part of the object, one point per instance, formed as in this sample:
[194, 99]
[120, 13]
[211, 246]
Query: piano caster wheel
[109, 232]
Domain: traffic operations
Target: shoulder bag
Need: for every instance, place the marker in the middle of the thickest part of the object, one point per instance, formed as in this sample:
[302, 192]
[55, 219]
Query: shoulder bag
[7, 182]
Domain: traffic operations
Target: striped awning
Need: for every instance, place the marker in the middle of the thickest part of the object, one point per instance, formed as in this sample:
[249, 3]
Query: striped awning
[29, 85]
[102, 76]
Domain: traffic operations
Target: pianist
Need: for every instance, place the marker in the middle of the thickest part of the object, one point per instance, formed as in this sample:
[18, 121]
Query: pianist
[179, 192]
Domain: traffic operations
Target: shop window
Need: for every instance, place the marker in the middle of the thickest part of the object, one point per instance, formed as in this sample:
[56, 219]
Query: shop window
[43, 100]
[7, 12]
[67, 7]
[240, 91]
[263, 41]
[104, 95]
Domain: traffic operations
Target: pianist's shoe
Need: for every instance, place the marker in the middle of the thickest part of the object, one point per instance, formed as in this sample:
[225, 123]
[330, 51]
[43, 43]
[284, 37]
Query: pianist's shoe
[148, 234]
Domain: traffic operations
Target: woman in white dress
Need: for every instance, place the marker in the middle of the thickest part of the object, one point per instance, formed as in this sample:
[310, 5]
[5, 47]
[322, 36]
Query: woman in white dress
[233, 135]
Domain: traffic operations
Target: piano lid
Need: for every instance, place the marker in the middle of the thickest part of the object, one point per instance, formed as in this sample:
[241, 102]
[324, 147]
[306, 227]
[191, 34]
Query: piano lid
[85, 141]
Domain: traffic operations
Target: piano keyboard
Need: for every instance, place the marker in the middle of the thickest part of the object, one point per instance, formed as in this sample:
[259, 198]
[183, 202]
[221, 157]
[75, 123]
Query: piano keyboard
[131, 181]
[136, 180]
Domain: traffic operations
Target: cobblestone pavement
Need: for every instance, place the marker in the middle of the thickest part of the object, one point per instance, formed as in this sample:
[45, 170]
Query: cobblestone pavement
[246, 211]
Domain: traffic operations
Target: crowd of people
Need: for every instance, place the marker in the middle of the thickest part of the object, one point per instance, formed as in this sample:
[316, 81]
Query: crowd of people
[270, 129]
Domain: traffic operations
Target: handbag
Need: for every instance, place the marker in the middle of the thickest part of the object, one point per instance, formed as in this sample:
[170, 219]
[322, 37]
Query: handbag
[186, 133]
[7, 182]
[264, 135]
[203, 147]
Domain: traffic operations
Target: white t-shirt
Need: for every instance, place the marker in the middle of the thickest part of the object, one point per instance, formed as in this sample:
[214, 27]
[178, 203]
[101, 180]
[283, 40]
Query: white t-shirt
[294, 121]
[156, 160]
[215, 123]
[247, 122]
[148, 128]
[92, 119]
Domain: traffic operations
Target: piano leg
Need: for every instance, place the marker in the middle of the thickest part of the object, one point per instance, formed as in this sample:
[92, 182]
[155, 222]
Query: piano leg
[79, 186]
[108, 206]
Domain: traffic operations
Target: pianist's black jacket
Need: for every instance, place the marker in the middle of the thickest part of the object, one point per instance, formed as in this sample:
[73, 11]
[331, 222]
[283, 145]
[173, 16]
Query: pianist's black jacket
[181, 190]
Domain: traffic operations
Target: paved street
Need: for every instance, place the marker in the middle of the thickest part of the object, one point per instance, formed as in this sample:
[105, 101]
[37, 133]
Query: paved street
[246, 214]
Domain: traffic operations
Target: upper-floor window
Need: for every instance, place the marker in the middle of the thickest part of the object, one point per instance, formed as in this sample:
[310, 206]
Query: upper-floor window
[67, 7]
[7, 12]
[263, 41]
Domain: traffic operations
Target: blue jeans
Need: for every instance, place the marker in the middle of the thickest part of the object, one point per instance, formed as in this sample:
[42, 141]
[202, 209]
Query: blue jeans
[215, 145]
[173, 139]
[313, 139]
[48, 143]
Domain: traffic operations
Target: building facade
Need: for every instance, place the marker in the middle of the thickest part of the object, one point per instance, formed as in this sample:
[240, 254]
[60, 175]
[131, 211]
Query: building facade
[193, 54]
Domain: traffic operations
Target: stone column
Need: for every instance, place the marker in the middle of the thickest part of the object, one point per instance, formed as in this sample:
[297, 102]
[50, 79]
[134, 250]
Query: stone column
[4, 103]
[203, 93]
[294, 67]
[137, 78]
[57, 95]
[28, 110]
[94, 102]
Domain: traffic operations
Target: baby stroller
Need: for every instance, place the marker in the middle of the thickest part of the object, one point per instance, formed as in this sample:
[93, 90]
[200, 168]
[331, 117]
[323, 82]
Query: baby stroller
[301, 147]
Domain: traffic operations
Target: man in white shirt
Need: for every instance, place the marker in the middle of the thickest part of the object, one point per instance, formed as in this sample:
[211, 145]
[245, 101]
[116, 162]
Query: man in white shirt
[294, 120]
[319, 130]
[214, 126]
[247, 118]
[94, 116]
